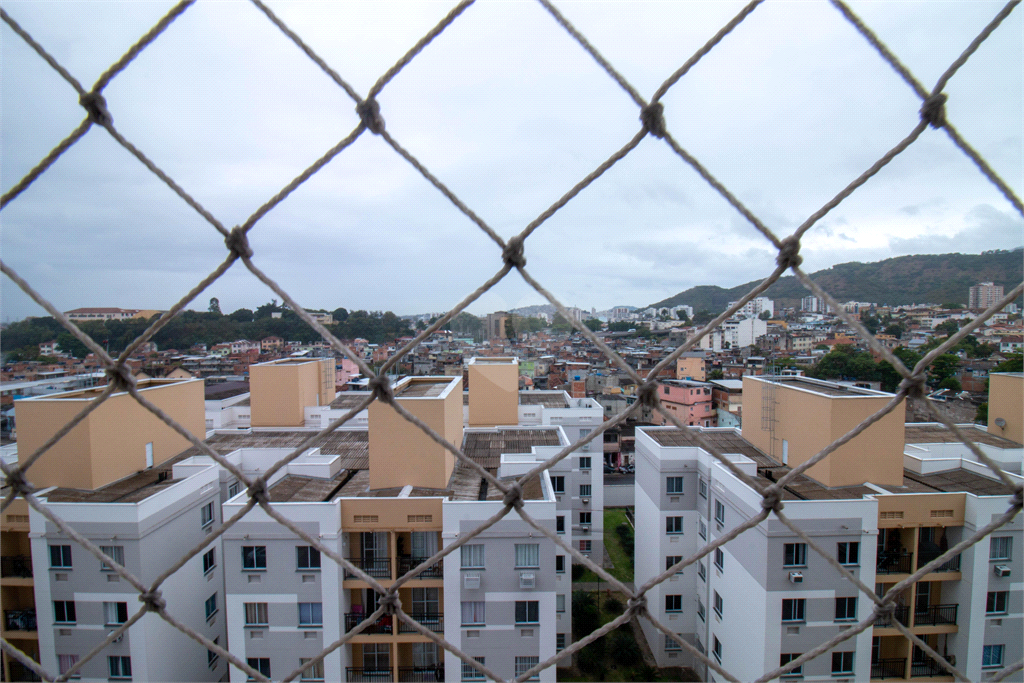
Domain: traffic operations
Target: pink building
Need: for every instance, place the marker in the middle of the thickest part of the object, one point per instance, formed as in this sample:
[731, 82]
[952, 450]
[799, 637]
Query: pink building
[689, 401]
[344, 371]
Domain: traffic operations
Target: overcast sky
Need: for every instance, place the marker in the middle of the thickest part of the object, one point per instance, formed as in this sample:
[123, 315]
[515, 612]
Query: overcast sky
[508, 111]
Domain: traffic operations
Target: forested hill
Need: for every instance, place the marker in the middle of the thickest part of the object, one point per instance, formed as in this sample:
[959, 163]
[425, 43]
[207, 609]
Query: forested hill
[922, 278]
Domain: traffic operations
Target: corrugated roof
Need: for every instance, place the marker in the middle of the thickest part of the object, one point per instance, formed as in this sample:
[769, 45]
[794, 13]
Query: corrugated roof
[486, 447]
[548, 400]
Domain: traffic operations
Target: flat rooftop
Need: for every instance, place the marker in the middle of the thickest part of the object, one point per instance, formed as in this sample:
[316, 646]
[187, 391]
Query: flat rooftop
[826, 388]
[299, 489]
[347, 400]
[223, 390]
[351, 445]
[554, 399]
[132, 489]
[419, 388]
[486, 447]
[931, 433]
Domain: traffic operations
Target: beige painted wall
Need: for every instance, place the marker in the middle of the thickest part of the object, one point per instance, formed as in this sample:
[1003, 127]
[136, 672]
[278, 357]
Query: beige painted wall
[111, 442]
[917, 510]
[690, 367]
[401, 453]
[280, 391]
[809, 422]
[1006, 400]
[392, 514]
[493, 392]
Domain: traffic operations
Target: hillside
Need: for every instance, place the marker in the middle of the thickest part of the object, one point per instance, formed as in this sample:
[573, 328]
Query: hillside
[922, 278]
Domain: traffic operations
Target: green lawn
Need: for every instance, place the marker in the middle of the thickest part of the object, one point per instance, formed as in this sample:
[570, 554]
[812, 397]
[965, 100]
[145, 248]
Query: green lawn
[623, 569]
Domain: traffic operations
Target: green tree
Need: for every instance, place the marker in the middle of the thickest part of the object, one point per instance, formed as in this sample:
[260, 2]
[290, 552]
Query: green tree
[1014, 363]
[560, 324]
[947, 328]
[340, 315]
[765, 315]
[943, 367]
[981, 416]
[242, 315]
[214, 306]
[621, 326]
[593, 324]
[895, 330]
[951, 383]
[716, 374]
[703, 317]
[69, 344]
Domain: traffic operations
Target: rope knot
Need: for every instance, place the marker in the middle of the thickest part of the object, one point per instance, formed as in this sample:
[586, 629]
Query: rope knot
[653, 118]
[772, 499]
[238, 243]
[381, 388]
[915, 386]
[885, 610]
[369, 113]
[512, 254]
[96, 107]
[637, 605]
[258, 491]
[648, 394]
[514, 497]
[121, 377]
[390, 602]
[18, 483]
[933, 111]
[153, 600]
[789, 253]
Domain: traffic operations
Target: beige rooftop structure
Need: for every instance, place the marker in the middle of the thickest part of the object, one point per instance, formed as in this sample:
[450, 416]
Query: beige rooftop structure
[800, 416]
[1006, 405]
[282, 390]
[493, 391]
[115, 440]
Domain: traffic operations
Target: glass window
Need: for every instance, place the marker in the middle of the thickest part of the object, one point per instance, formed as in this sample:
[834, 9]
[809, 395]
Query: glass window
[261, 664]
[558, 485]
[311, 614]
[64, 611]
[585, 461]
[527, 555]
[719, 605]
[473, 612]
[209, 559]
[313, 672]
[470, 672]
[992, 655]
[848, 553]
[524, 664]
[584, 546]
[254, 557]
[716, 649]
[999, 547]
[674, 485]
[585, 518]
[559, 642]
[527, 612]
[702, 529]
[65, 662]
[671, 645]
[700, 609]
[233, 490]
[60, 556]
[559, 602]
[673, 603]
[701, 571]
[206, 514]
[842, 662]
[117, 612]
[560, 524]
[671, 560]
[211, 605]
[793, 609]
[584, 489]
[673, 525]
[719, 512]
[472, 555]
[846, 608]
[795, 555]
[996, 602]
[256, 614]
[119, 667]
[560, 564]
[307, 557]
[211, 655]
[114, 552]
[702, 487]
[719, 558]
[785, 659]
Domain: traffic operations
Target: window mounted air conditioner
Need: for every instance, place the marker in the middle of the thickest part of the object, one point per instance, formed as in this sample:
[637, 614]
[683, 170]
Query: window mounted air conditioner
[471, 581]
[796, 577]
[1001, 570]
[585, 528]
[585, 501]
[527, 580]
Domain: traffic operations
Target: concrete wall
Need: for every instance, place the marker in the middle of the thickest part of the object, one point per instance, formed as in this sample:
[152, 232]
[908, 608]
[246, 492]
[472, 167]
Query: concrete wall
[281, 390]
[493, 392]
[1006, 401]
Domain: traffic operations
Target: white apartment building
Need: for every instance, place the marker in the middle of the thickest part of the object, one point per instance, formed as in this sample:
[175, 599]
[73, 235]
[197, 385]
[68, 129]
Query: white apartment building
[755, 307]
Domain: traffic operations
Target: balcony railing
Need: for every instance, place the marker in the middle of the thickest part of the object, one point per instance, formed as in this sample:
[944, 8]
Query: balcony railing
[435, 571]
[935, 615]
[889, 668]
[893, 563]
[378, 568]
[926, 668]
[16, 565]
[382, 625]
[20, 619]
[356, 674]
[952, 565]
[430, 621]
[410, 674]
[902, 615]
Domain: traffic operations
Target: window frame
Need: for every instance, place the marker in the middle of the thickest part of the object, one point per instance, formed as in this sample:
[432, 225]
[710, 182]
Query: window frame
[585, 517]
[560, 524]
[314, 669]
[702, 571]
[797, 610]
[585, 490]
[674, 525]
[702, 529]
[257, 551]
[209, 560]
[479, 612]
[671, 560]
[206, 515]
[312, 608]
[988, 652]
[845, 549]
[716, 649]
[123, 662]
[559, 602]
[114, 552]
[674, 603]
[1001, 540]
[846, 608]
[702, 487]
[787, 657]
[671, 645]
[211, 655]
[845, 663]
[260, 609]
[524, 664]
[64, 608]
[471, 548]
[674, 485]
[992, 600]
[719, 605]
[257, 664]
[585, 545]
[120, 610]
[531, 551]
[471, 673]
[558, 484]
[311, 555]
[211, 605]
[720, 559]
[798, 555]
[65, 557]
[585, 462]
[65, 662]
[528, 607]
[720, 512]
[559, 564]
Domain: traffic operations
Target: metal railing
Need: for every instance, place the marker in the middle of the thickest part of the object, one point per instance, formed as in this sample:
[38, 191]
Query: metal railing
[383, 624]
[900, 614]
[358, 674]
[20, 619]
[889, 668]
[951, 565]
[934, 615]
[926, 667]
[431, 621]
[894, 563]
[16, 566]
[417, 674]
[378, 568]
[406, 564]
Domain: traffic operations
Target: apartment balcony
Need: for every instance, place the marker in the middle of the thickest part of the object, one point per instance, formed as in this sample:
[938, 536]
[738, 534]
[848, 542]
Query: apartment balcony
[926, 668]
[383, 625]
[952, 565]
[20, 619]
[894, 563]
[410, 674]
[935, 615]
[407, 564]
[378, 568]
[901, 614]
[358, 674]
[16, 566]
[889, 668]
[430, 621]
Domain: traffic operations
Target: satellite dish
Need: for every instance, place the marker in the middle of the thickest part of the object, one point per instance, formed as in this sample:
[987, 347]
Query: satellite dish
[1000, 422]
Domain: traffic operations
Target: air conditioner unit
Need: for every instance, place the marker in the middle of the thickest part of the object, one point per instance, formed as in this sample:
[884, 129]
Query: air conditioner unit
[471, 581]
[586, 501]
[585, 528]
[527, 580]
[796, 577]
[1001, 570]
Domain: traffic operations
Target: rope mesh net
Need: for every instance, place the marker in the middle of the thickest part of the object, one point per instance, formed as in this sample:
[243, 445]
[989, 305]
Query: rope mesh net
[652, 122]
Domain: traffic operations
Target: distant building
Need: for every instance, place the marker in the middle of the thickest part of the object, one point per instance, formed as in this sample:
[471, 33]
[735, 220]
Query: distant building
[755, 307]
[983, 295]
[495, 326]
[812, 304]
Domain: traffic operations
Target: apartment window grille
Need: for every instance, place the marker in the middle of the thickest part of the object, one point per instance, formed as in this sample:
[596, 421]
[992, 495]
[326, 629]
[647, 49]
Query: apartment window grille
[472, 556]
[795, 555]
[558, 484]
[474, 613]
[256, 614]
[471, 673]
[793, 609]
[585, 546]
[671, 560]
[702, 487]
[995, 603]
[206, 514]
[700, 609]
[313, 672]
[584, 489]
[560, 524]
[559, 642]
[672, 645]
[524, 664]
[527, 612]
[311, 614]
[842, 662]
[254, 557]
[1000, 548]
[560, 602]
[115, 613]
[64, 611]
[701, 571]
[702, 529]
[307, 558]
[60, 557]
[674, 485]
[65, 662]
[261, 664]
[585, 518]
[719, 512]
[560, 564]
[114, 552]
[992, 655]
[585, 461]
[846, 609]
[785, 659]
[211, 655]
[673, 603]
[848, 553]
[673, 525]
[716, 649]
[719, 605]
[119, 667]
[209, 559]
[233, 490]
[720, 559]
[527, 555]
